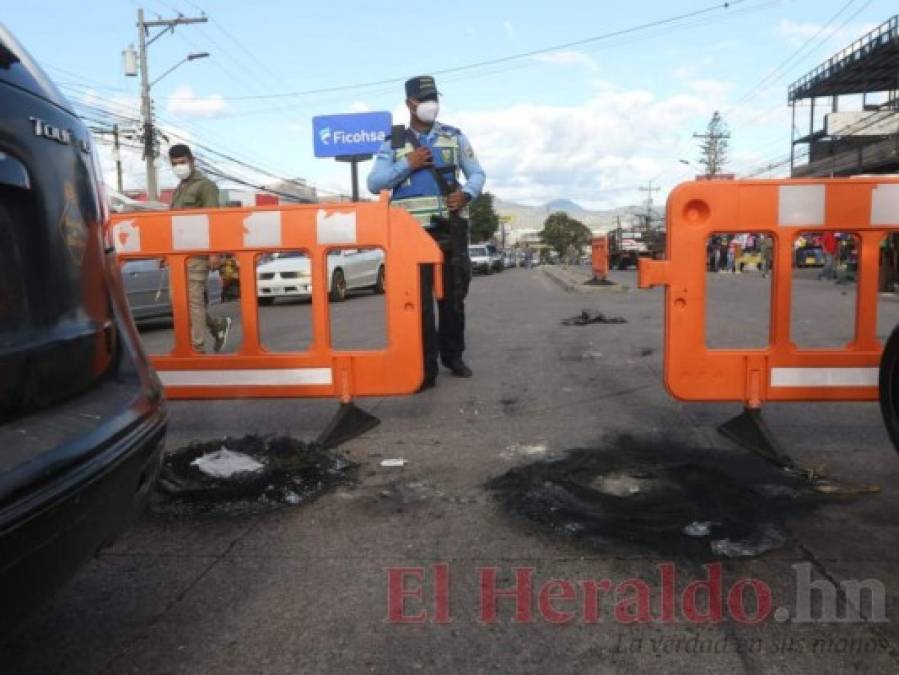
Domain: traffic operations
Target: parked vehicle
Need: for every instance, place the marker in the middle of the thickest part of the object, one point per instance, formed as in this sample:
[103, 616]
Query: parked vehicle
[289, 275]
[481, 260]
[496, 258]
[147, 289]
[626, 247]
[810, 256]
[82, 415]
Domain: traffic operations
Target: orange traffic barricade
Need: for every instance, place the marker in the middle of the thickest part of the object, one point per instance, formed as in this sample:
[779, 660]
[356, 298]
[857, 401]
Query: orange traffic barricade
[316, 230]
[865, 207]
[600, 257]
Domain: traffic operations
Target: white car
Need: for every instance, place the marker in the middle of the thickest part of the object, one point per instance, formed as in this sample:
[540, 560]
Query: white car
[289, 274]
[481, 259]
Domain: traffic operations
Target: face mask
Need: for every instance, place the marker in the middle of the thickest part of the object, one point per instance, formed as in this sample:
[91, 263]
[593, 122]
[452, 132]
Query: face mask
[427, 111]
[182, 171]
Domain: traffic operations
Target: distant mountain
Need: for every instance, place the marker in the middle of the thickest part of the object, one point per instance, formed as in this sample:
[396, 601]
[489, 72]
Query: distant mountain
[563, 205]
[522, 219]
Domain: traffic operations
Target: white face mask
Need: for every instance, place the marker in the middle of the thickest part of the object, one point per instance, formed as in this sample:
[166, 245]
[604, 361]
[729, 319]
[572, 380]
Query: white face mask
[427, 111]
[182, 171]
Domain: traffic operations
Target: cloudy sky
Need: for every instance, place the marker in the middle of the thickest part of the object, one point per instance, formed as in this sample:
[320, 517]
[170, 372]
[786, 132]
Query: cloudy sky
[592, 121]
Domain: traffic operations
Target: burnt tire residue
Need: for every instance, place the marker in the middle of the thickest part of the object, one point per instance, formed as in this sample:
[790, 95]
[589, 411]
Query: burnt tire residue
[670, 499]
[293, 473]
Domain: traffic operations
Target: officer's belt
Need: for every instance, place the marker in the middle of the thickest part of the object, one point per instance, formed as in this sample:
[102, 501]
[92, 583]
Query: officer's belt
[422, 208]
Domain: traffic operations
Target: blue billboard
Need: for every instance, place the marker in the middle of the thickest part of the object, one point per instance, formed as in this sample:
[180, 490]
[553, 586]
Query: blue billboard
[350, 134]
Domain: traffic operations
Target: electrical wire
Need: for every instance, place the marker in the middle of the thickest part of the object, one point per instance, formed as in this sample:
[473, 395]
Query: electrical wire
[506, 59]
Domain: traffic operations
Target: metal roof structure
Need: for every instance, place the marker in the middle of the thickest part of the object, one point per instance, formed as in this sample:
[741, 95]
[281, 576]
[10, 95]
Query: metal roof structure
[869, 64]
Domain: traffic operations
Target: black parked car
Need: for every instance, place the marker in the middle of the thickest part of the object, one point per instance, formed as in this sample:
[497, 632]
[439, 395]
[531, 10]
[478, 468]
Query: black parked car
[82, 415]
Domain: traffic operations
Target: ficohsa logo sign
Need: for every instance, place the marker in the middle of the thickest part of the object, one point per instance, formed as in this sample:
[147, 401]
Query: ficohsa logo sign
[350, 134]
[365, 136]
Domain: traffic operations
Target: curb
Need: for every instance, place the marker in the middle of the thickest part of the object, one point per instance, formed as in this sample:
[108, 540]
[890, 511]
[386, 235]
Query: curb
[575, 287]
[559, 281]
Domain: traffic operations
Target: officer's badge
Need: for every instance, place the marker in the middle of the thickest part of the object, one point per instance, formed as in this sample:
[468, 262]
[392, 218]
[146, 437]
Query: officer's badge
[72, 227]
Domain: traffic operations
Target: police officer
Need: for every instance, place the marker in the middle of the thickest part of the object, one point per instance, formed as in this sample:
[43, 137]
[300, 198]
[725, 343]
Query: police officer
[421, 168]
[196, 191]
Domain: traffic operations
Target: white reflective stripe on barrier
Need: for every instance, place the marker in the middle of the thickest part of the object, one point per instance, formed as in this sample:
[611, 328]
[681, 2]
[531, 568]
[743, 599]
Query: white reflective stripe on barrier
[237, 378]
[885, 205]
[190, 232]
[824, 377]
[801, 204]
[262, 229]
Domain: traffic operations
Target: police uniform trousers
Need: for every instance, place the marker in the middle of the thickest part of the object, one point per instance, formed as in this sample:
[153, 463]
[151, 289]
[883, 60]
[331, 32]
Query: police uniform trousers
[446, 336]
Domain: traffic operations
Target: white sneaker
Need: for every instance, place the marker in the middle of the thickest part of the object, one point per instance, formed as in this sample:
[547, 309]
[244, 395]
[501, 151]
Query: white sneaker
[221, 339]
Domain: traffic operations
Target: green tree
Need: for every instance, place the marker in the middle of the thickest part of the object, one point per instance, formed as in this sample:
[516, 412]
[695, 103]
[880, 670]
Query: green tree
[561, 231]
[483, 219]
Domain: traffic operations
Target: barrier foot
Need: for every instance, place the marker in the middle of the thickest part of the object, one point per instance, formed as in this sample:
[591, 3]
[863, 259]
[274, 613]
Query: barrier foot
[349, 422]
[749, 430]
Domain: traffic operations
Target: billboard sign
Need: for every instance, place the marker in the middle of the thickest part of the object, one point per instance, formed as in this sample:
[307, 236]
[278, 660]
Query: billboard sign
[350, 134]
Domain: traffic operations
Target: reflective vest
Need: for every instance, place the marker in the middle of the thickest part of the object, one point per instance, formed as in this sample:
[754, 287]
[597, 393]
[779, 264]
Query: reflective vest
[419, 194]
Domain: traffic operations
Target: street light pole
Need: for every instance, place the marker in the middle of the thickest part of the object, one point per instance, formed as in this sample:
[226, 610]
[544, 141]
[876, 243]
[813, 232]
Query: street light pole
[146, 103]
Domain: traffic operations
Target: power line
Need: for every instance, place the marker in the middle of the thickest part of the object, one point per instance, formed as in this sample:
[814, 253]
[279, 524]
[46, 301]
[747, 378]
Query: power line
[512, 57]
[834, 32]
[783, 64]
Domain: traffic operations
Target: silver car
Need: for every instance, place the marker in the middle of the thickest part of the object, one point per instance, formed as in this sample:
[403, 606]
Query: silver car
[147, 288]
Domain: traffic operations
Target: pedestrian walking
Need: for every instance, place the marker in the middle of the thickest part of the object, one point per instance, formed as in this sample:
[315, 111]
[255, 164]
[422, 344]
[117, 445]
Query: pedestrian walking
[196, 191]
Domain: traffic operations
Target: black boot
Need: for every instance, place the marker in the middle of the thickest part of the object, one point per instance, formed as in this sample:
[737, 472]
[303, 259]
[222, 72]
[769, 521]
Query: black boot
[457, 367]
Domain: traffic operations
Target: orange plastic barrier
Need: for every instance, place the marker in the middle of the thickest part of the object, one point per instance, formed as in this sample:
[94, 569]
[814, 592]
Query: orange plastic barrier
[600, 257]
[865, 207]
[316, 229]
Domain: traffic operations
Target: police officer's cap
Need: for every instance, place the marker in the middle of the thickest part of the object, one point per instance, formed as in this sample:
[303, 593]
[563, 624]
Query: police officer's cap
[421, 87]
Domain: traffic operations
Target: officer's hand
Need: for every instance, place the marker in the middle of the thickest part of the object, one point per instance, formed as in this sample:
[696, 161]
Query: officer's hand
[419, 158]
[457, 200]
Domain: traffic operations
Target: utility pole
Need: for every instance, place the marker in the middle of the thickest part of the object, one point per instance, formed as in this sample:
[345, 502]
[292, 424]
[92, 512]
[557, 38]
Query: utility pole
[146, 103]
[649, 189]
[714, 145]
[118, 158]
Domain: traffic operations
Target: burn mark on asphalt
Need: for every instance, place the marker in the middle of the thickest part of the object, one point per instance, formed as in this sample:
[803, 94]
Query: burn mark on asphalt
[587, 317]
[292, 473]
[509, 404]
[649, 494]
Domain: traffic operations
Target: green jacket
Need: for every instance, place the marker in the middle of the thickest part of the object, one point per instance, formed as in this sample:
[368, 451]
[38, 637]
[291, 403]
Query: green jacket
[196, 192]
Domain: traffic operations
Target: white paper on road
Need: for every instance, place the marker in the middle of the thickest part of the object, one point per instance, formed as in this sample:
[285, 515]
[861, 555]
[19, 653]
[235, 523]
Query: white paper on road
[394, 463]
[225, 463]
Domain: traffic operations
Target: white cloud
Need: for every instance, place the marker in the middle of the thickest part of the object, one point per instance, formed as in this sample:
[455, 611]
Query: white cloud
[184, 103]
[568, 58]
[797, 33]
[509, 29]
[596, 152]
[360, 106]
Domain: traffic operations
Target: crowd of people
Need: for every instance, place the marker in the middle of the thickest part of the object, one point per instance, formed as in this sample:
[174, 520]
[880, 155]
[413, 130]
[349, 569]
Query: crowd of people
[834, 253]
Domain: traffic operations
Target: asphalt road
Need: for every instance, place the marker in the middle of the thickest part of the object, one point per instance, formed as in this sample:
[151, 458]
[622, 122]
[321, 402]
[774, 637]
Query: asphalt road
[305, 589]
